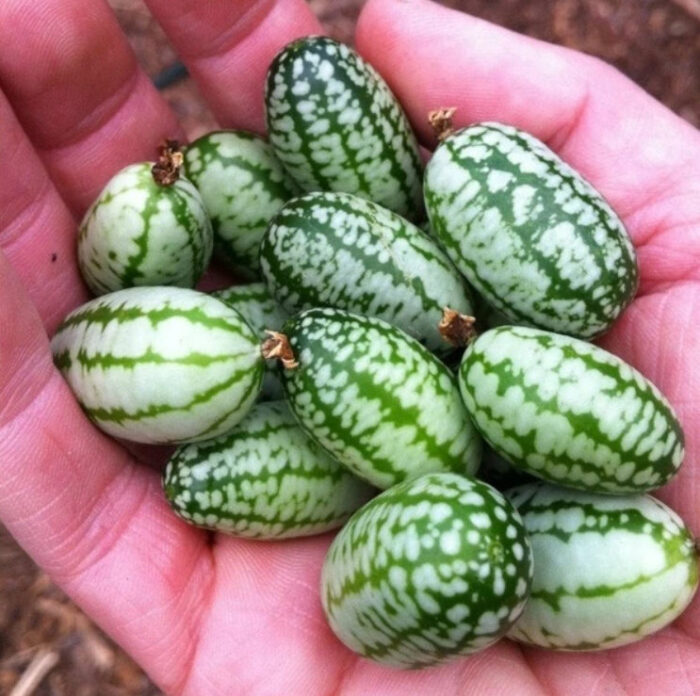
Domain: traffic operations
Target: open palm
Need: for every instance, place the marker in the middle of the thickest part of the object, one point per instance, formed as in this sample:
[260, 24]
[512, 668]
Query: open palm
[210, 616]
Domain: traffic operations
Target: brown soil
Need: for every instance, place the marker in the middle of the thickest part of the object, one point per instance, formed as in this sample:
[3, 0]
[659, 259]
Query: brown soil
[656, 42]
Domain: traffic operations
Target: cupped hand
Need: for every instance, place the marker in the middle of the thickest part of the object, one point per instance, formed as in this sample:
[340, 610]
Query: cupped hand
[210, 616]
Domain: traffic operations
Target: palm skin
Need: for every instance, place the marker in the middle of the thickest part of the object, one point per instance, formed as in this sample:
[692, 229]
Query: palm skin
[210, 616]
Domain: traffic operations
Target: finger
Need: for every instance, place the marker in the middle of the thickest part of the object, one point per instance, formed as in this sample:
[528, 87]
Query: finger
[661, 664]
[95, 522]
[78, 92]
[37, 231]
[644, 159]
[228, 46]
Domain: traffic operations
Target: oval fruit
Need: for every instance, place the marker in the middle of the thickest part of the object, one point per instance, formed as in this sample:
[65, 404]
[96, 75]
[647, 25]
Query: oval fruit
[608, 570]
[336, 126]
[434, 568]
[338, 250]
[265, 480]
[528, 232]
[376, 399]
[139, 232]
[255, 304]
[160, 365]
[243, 185]
[569, 412]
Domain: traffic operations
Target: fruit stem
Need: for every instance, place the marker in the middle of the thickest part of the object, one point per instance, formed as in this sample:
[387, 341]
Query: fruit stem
[441, 121]
[277, 346]
[457, 329]
[166, 171]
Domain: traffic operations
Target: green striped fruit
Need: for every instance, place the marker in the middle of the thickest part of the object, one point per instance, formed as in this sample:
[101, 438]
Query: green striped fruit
[569, 412]
[139, 232]
[528, 232]
[434, 568]
[265, 479]
[338, 250]
[242, 185]
[336, 126]
[160, 365]
[608, 570]
[376, 399]
[255, 304]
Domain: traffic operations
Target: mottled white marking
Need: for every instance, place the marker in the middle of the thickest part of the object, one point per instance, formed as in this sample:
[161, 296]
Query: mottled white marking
[632, 416]
[243, 186]
[436, 605]
[368, 148]
[495, 228]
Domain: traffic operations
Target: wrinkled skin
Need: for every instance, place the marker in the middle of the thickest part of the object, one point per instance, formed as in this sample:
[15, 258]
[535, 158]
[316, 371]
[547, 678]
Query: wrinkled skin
[211, 615]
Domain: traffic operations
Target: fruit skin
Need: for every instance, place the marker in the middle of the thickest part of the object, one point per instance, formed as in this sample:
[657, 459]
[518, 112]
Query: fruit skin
[339, 250]
[336, 126]
[436, 567]
[160, 365]
[260, 311]
[243, 185]
[528, 232]
[569, 412]
[138, 232]
[264, 480]
[608, 570]
[376, 399]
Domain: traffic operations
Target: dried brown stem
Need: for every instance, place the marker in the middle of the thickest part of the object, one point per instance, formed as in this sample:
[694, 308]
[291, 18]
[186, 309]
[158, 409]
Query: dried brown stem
[44, 661]
[457, 329]
[166, 171]
[441, 121]
[277, 346]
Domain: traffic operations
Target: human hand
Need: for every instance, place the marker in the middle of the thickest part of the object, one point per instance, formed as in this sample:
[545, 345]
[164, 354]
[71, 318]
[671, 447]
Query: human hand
[216, 615]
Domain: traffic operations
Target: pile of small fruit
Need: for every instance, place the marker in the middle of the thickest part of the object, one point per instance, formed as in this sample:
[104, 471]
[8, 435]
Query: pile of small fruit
[341, 368]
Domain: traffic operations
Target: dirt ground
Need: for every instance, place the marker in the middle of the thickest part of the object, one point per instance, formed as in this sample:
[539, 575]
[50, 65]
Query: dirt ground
[655, 42]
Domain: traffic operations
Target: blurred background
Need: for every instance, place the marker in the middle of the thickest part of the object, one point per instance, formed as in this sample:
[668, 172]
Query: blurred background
[47, 646]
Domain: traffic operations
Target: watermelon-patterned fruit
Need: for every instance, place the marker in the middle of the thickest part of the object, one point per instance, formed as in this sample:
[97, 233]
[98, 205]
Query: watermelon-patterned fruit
[376, 399]
[160, 365]
[242, 185]
[608, 570]
[528, 232]
[139, 232]
[434, 568]
[265, 479]
[339, 250]
[336, 126]
[255, 304]
[569, 412]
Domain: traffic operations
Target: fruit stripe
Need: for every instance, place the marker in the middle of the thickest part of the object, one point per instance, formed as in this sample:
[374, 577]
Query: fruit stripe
[335, 125]
[570, 412]
[257, 306]
[376, 399]
[242, 185]
[338, 250]
[266, 479]
[160, 364]
[529, 232]
[432, 568]
[608, 570]
[171, 245]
